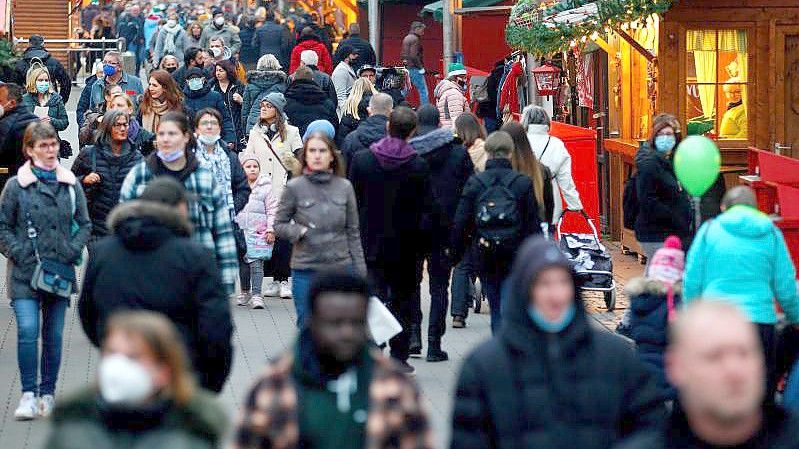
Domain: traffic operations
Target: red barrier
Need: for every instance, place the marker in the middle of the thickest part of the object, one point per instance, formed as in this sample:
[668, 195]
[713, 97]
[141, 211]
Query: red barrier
[581, 144]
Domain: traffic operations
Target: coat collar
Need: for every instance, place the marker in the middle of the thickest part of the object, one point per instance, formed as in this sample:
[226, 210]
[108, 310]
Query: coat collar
[25, 175]
[538, 129]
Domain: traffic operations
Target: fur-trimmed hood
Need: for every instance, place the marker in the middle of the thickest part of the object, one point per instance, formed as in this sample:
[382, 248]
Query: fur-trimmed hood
[25, 175]
[641, 285]
[433, 140]
[145, 225]
[265, 79]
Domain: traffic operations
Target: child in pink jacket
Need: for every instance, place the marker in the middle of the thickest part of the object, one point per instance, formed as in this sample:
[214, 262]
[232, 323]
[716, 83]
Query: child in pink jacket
[256, 220]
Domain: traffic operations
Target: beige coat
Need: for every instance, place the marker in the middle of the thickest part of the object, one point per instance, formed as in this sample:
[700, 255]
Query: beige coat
[277, 166]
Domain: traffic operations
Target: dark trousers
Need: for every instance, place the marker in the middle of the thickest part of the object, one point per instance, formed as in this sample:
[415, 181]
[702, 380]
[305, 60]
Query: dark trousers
[395, 285]
[768, 338]
[438, 270]
[492, 286]
[463, 277]
[279, 265]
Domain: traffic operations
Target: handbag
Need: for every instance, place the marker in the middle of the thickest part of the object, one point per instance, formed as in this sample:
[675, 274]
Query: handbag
[257, 248]
[64, 149]
[49, 276]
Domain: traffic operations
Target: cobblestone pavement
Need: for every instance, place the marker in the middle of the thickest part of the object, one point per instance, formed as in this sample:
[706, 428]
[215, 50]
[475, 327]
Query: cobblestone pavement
[260, 336]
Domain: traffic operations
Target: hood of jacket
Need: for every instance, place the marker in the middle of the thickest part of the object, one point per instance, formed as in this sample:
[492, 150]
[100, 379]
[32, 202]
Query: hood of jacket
[392, 153]
[306, 92]
[446, 85]
[266, 79]
[647, 295]
[372, 129]
[745, 221]
[309, 42]
[36, 52]
[434, 140]
[518, 329]
[146, 225]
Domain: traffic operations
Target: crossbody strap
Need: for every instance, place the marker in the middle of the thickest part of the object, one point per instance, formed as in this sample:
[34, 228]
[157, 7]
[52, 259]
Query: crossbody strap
[277, 156]
[545, 149]
[33, 234]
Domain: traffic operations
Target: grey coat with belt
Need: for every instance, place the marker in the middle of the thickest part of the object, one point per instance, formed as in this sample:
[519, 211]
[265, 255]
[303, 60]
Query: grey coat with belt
[319, 215]
[52, 215]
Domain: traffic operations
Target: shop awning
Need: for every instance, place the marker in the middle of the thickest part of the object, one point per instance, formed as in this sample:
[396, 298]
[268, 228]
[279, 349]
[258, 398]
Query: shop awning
[545, 27]
[437, 8]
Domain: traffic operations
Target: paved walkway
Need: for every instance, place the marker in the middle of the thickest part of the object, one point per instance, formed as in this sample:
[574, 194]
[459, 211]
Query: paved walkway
[260, 336]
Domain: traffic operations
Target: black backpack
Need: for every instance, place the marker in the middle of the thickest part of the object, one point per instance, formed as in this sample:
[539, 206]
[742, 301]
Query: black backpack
[629, 203]
[498, 221]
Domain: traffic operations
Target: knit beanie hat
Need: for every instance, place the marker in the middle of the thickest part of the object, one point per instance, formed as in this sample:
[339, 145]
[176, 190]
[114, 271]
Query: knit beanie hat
[320, 126]
[455, 69]
[277, 100]
[668, 263]
[245, 156]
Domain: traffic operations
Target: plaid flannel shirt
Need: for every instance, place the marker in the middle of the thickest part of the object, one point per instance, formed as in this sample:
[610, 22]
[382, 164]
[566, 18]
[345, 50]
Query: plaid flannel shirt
[209, 215]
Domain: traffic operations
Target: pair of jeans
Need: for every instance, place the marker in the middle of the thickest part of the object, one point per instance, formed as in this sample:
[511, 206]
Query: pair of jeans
[492, 286]
[136, 49]
[395, 285]
[463, 277]
[300, 287]
[438, 270]
[29, 323]
[418, 81]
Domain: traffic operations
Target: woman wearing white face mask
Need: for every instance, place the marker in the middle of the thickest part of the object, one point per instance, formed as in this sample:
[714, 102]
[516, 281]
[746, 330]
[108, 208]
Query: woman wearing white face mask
[41, 94]
[43, 217]
[210, 212]
[172, 40]
[145, 394]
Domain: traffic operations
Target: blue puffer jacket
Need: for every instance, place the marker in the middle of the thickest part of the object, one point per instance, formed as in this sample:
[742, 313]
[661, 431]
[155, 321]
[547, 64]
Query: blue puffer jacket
[741, 257]
[649, 325]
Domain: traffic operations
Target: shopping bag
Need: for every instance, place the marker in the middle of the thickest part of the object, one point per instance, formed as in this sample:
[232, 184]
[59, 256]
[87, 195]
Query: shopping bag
[382, 324]
[257, 248]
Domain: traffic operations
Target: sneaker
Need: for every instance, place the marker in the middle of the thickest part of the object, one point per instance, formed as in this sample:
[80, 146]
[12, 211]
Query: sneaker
[27, 409]
[242, 299]
[458, 322]
[407, 368]
[272, 289]
[285, 290]
[46, 405]
[436, 355]
[257, 302]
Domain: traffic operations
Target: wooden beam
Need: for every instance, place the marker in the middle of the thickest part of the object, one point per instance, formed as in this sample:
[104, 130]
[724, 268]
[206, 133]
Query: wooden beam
[603, 44]
[634, 44]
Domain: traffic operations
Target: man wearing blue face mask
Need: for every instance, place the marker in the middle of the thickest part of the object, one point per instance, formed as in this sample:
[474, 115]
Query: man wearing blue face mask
[549, 378]
[664, 208]
[199, 95]
[114, 74]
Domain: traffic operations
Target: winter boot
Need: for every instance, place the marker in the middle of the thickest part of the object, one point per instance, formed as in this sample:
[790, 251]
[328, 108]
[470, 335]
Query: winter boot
[415, 348]
[434, 352]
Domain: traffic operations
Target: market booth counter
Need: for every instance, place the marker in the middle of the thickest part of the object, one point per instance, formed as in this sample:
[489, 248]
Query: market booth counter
[775, 180]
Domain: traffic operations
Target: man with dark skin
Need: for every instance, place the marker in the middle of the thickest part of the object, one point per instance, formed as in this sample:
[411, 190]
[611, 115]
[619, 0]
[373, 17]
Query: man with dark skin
[333, 382]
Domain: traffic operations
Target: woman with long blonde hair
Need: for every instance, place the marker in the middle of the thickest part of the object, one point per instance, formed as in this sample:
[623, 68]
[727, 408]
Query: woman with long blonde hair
[354, 110]
[41, 93]
[145, 390]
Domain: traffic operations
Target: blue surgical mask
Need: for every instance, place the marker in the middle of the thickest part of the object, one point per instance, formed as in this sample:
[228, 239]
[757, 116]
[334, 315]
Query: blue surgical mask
[665, 143]
[549, 326]
[43, 86]
[195, 83]
[109, 70]
[169, 157]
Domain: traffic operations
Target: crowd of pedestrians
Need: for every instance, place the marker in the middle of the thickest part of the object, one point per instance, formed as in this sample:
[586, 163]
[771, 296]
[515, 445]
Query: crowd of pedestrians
[196, 182]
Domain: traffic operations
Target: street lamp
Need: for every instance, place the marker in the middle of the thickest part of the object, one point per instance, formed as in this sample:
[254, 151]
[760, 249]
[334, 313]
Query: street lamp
[547, 79]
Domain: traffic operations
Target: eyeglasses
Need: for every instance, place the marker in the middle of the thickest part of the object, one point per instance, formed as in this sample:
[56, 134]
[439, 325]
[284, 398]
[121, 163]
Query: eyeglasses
[121, 125]
[209, 123]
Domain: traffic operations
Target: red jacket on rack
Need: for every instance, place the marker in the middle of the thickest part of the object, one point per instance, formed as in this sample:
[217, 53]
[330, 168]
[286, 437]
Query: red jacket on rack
[509, 92]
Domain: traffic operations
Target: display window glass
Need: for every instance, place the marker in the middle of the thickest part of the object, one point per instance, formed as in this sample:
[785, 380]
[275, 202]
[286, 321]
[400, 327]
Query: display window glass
[717, 83]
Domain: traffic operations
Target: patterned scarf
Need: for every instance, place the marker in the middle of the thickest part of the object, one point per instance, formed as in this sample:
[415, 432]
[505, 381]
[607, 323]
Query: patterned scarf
[219, 164]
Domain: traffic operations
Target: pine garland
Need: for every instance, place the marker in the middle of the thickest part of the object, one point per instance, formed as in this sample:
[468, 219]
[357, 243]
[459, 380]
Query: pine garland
[527, 30]
[7, 54]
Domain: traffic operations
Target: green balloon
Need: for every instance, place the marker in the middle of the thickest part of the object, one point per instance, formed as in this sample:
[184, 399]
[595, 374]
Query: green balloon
[697, 164]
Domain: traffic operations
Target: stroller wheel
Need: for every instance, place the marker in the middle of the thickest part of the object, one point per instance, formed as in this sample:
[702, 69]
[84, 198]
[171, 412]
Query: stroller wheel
[610, 300]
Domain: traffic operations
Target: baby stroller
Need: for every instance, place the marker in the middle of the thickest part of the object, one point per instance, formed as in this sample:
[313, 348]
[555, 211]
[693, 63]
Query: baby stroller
[590, 259]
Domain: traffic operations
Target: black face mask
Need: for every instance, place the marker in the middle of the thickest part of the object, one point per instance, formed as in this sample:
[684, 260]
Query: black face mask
[170, 69]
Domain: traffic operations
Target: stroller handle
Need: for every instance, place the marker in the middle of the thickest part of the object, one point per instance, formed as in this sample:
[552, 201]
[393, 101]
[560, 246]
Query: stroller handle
[585, 215]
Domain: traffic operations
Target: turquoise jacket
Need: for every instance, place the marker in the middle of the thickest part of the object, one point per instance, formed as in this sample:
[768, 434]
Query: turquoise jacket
[741, 257]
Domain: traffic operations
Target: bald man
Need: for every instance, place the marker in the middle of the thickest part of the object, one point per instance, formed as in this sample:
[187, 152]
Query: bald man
[716, 363]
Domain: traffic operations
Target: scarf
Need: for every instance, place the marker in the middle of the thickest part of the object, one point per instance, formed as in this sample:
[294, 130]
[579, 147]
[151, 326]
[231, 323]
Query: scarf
[169, 39]
[219, 164]
[46, 176]
[150, 120]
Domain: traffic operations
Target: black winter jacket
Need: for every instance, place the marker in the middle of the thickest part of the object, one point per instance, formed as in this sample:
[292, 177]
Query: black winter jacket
[104, 196]
[324, 81]
[233, 107]
[272, 38]
[260, 83]
[370, 130]
[174, 276]
[463, 233]
[450, 168]
[392, 205]
[12, 132]
[780, 431]
[664, 209]
[349, 123]
[207, 98]
[366, 55]
[306, 102]
[526, 388]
